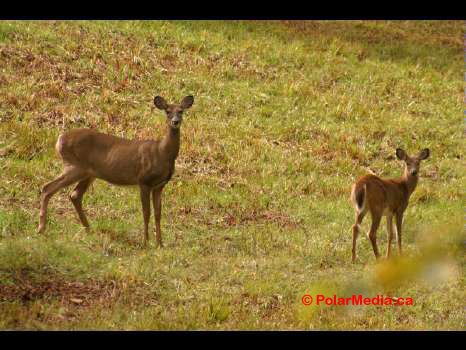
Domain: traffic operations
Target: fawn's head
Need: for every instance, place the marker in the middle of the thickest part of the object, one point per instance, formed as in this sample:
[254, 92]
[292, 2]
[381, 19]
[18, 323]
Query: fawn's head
[174, 112]
[412, 164]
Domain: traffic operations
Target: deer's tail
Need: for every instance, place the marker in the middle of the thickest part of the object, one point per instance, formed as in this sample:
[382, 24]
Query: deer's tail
[358, 196]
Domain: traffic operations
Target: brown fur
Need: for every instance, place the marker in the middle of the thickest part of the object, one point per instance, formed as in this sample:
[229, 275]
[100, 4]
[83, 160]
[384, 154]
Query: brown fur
[385, 197]
[88, 154]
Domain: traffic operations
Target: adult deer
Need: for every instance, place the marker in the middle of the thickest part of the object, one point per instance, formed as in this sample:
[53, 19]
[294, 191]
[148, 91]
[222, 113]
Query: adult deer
[88, 154]
[385, 197]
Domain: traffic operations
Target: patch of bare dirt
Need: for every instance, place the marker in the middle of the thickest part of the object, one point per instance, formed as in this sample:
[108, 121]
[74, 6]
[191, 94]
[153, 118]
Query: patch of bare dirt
[373, 32]
[199, 165]
[266, 305]
[255, 216]
[245, 217]
[73, 293]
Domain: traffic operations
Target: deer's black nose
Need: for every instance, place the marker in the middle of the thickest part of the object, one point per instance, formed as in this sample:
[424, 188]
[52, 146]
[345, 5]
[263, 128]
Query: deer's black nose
[414, 172]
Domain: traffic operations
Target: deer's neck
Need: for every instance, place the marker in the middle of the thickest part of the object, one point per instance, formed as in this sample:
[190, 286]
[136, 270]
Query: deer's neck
[170, 144]
[410, 182]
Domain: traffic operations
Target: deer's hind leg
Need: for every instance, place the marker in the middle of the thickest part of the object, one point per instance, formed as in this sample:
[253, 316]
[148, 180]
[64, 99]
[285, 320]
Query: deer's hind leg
[359, 216]
[372, 234]
[69, 176]
[76, 198]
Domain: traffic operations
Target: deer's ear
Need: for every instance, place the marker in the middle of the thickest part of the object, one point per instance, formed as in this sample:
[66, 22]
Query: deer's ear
[424, 154]
[160, 103]
[187, 102]
[401, 154]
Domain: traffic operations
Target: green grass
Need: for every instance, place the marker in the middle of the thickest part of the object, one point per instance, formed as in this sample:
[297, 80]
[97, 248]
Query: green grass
[286, 116]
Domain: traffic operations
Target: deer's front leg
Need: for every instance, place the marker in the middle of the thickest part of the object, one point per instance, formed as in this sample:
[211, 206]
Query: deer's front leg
[390, 235]
[157, 202]
[145, 201]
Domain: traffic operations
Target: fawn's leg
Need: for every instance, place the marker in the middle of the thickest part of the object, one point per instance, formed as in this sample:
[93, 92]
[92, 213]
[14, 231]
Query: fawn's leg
[399, 222]
[145, 201]
[372, 234]
[76, 198]
[355, 227]
[157, 202]
[69, 176]
[390, 234]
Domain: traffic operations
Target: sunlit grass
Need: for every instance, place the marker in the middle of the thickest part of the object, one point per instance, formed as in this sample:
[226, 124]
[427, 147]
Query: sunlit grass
[286, 116]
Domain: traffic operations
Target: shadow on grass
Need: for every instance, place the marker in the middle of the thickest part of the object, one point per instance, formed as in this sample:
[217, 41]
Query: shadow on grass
[427, 43]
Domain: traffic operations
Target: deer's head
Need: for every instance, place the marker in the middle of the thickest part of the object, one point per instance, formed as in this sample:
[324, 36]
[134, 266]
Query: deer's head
[412, 164]
[174, 112]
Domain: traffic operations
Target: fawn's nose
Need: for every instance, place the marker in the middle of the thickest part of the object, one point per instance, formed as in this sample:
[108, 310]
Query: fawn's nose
[414, 172]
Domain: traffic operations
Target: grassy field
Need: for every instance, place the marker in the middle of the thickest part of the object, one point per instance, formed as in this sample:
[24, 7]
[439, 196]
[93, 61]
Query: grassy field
[286, 116]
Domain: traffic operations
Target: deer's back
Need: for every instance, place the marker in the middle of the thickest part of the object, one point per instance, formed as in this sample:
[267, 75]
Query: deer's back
[114, 159]
[80, 145]
[384, 195]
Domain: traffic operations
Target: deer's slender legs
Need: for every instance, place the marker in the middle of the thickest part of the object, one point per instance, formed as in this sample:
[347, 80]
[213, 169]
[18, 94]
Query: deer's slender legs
[358, 219]
[69, 176]
[157, 202]
[76, 198]
[399, 222]
[390, 235]
[145, 201]
[372, 234]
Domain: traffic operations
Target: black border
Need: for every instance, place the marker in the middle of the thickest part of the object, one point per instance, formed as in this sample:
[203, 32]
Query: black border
[234, 9]
[219, 339]
[227, 11]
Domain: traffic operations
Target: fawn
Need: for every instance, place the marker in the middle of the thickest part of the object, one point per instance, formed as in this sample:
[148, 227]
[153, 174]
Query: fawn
[385, 197]
[88, 154]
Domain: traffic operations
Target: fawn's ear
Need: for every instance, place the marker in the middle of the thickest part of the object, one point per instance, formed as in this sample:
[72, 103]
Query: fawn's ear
[424, 154]
[160, 103]
[401, 154]
[187, 102]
